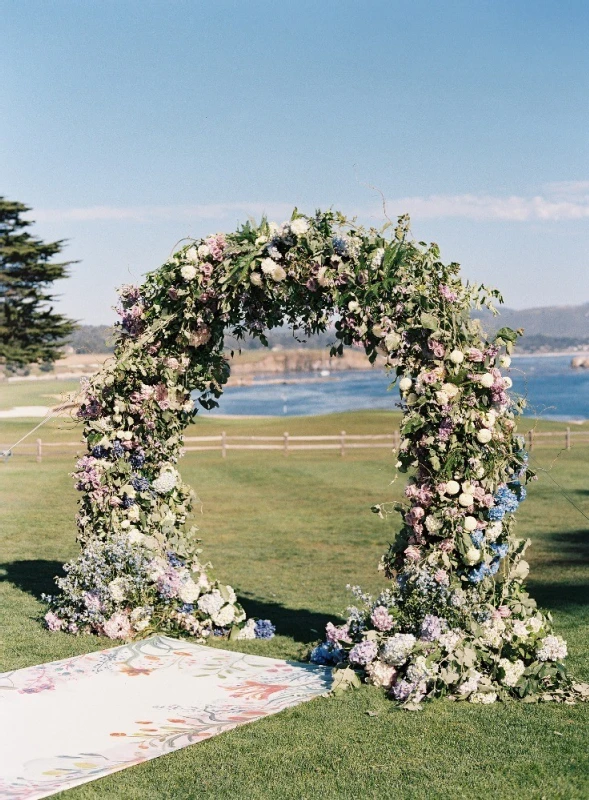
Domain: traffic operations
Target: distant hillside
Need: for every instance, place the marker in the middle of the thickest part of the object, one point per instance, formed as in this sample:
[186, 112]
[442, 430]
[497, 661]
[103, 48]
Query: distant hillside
[547, 328]
[570, 322]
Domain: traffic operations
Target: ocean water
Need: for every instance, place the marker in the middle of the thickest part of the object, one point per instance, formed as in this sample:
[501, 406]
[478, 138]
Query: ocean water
[553, 390]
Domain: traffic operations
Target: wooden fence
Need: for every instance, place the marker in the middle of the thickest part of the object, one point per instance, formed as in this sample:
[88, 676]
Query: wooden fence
[289, 443]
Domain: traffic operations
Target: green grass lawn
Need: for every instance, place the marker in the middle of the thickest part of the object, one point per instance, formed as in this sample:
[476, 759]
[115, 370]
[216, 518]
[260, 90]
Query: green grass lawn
[289, 534]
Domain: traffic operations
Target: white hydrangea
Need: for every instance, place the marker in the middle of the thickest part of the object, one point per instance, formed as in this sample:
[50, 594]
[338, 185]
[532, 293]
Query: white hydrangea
[471, 684]
[554, 648]
[134, 536]
[157, 567]
[377, 258]
[188, 272]
[485, 698]
[380, 674]
[433, 524]
[512, 670]
[492, 632]
[520, 629]
[450, 640]
[396, 649]
[118, 589]
[535, 623]
[211, 603]
[299, 226]
[140, 618]
[225, 616]
[166, 481]
[248, 631]
[189, 591]
[493, 531]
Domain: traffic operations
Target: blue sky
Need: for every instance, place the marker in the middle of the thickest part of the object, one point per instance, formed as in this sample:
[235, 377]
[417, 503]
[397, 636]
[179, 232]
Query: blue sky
[128, 124]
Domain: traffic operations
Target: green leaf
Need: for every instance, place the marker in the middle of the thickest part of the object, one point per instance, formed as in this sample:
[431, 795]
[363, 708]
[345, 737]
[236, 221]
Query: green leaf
[429, 321]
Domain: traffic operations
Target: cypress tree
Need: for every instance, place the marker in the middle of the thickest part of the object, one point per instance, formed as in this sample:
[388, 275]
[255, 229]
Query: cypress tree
[30, 330]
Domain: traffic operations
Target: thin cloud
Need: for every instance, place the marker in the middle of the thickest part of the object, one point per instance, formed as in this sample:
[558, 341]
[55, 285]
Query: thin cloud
[567, 200]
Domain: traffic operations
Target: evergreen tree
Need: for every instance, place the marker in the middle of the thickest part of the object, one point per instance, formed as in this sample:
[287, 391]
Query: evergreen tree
[30, 330]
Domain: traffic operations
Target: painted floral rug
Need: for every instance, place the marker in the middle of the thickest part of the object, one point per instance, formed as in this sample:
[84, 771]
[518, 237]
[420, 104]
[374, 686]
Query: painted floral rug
[69, 722]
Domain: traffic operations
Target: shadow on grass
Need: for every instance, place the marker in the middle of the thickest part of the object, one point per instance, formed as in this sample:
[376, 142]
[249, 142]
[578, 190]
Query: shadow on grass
[34, 577]
[38, 577]
[300, 624]
[559, 595]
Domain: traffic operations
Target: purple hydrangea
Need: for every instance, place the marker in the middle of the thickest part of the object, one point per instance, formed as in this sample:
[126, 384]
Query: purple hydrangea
[431, 628]
[363, 653]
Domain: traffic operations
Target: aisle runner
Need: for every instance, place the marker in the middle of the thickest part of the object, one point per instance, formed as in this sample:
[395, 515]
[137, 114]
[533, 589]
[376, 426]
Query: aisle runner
[69, 722]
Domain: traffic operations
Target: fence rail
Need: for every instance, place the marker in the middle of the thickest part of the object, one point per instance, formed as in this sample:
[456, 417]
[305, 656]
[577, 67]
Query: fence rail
[288, 443]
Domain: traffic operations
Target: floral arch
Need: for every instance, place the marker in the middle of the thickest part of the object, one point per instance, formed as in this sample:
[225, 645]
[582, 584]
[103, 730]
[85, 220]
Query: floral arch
[455, 618]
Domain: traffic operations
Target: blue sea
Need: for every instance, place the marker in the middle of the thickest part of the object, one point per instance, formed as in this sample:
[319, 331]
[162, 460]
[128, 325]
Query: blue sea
[553, 390]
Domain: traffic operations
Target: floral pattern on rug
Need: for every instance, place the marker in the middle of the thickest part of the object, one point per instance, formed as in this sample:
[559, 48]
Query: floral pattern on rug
[129, 704]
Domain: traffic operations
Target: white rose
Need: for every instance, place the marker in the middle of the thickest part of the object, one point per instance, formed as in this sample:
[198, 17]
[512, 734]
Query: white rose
[489, 419]
[473, 555]
[191, 255]
[353, 305]
[505, 361]
[299, 226]
[470, 524]
[466, 500]
[405, 384]
[442, 398]
[452, 487]
[278, 273]
[378, 331]
[256, 279]
[204, 250]
[487, 380]
[450, 389]
[456, 357]
[484, 436]
[267, 265]
[507, 382]
[188, 272]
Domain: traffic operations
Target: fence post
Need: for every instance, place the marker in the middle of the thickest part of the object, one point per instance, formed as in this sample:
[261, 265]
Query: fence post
[568, 438]
[343, 443]
[531, 439]
[223, 444]
[39, 451]
[286, 443]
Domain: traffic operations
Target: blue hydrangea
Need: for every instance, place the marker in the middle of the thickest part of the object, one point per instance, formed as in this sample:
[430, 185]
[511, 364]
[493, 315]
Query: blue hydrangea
[494, 566]
[496, 513]
[221, 631]
[187, 608]
[137, 459]
[506, 498]
[265, 629]
[117, 449]
[477, 574]
[128, 501]
[140, 484]
[340, 246]
[99, 451]
[174, 560]
[326, 654]
[519, 491]
[477, 538]
[500, 549]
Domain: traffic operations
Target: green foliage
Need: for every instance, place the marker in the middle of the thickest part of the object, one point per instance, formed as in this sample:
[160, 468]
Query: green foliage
[30, 329]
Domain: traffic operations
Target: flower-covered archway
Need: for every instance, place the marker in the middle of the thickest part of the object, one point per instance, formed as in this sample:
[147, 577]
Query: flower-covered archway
[455, 618]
